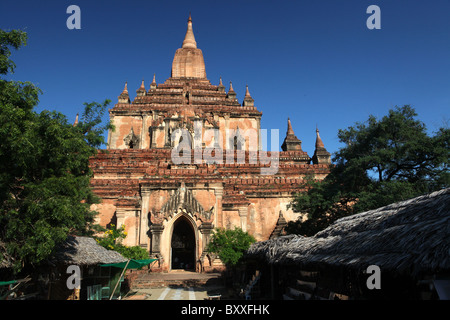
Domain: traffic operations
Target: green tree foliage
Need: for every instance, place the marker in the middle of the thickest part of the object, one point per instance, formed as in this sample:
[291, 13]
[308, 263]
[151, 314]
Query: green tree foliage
[14, 39]
[112, 240]
[384, 161]
[230, 244]
[45, 189]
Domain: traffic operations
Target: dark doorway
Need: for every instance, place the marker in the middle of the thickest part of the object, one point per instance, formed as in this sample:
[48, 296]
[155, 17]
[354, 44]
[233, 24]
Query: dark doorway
[183, 245]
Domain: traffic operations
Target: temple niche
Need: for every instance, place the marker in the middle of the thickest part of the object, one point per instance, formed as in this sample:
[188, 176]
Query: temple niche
[172, 207]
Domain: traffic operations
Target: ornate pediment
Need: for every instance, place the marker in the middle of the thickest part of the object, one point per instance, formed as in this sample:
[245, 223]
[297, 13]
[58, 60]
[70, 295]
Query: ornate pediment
[183, 199]
[131, 140]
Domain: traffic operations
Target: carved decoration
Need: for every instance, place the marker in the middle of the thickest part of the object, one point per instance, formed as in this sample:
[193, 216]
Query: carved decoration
[184, 200]
[131, 140]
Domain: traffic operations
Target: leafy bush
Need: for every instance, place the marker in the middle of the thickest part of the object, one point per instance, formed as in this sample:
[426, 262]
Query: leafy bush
[112, 240]
[230, 244]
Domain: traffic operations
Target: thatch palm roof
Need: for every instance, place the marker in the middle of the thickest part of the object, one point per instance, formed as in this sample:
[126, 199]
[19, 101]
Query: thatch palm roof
[412, 236]
[85, 251]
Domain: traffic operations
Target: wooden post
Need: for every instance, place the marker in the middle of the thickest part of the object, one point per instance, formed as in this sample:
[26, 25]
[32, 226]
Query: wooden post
[118, 281]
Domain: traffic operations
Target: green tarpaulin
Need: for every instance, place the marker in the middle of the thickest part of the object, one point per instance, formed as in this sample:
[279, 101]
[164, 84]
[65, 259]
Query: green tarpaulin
[133, 264]
[5, 283]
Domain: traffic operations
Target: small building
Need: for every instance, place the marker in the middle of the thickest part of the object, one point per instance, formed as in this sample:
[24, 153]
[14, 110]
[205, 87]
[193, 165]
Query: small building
[400, 251]
[96, 282]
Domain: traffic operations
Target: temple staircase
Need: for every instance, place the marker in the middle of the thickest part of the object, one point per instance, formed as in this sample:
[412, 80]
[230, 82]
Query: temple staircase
[175, 278]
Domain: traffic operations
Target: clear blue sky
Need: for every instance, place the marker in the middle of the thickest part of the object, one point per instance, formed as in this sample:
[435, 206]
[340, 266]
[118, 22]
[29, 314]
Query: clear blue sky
[314, 61]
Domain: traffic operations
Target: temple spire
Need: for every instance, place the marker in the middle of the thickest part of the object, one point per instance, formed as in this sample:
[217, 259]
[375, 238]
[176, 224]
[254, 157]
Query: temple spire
[153, 84]
[289, 128]
[247, 93]
[291, 142]
[76, 121]
[124, 96]
[319, 142]
[321, 155]
[231, 94]
[221, 87]
[141, 91]
[248, 100]
[189, 39]
[188, 61]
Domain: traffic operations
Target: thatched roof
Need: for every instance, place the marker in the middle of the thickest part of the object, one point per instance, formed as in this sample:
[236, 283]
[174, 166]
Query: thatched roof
[409, 236]
[85, 251]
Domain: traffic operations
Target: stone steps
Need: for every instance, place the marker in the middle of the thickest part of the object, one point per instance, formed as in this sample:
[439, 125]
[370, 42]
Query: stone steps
[188, 279]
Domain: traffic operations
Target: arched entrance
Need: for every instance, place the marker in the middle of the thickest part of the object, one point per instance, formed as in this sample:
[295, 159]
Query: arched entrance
[183, 245]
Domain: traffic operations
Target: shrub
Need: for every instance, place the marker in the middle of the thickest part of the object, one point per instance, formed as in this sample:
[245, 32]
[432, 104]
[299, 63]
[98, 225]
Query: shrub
[230, 244]
[112, 240]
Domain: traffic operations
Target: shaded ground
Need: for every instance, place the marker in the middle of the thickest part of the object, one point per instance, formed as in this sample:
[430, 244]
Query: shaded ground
[178, 285]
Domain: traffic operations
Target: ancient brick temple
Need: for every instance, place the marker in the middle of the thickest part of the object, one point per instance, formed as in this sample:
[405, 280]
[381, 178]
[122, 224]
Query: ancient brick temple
[186, 157]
